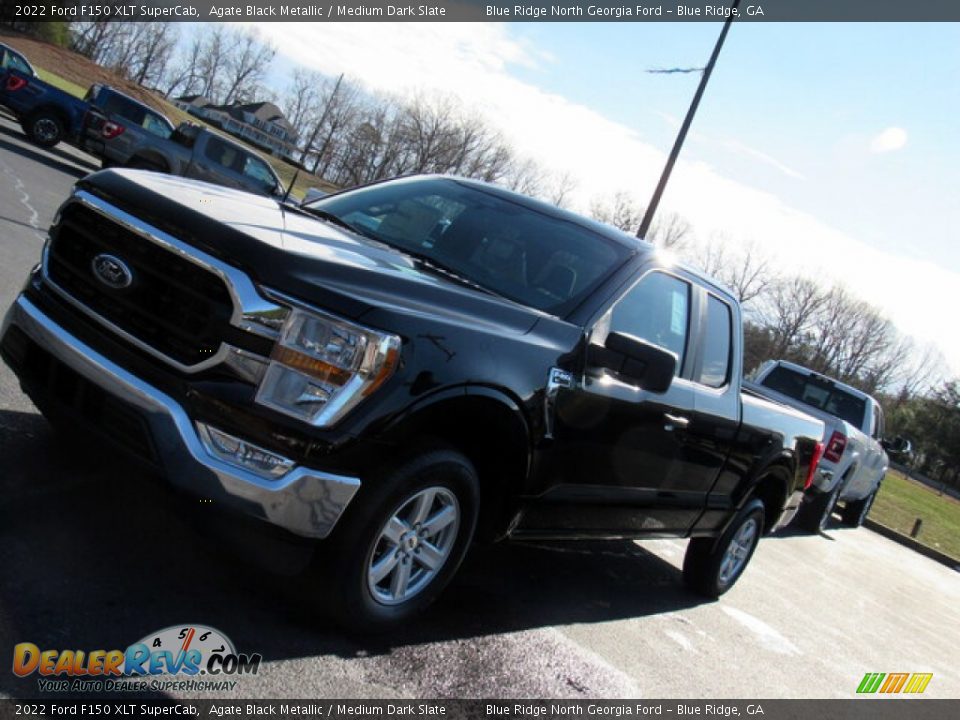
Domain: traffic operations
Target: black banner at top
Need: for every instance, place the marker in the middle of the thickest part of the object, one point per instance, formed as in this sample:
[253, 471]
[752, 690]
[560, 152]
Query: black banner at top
[481, 10]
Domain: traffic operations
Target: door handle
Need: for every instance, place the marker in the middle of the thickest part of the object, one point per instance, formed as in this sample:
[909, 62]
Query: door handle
[675, 422]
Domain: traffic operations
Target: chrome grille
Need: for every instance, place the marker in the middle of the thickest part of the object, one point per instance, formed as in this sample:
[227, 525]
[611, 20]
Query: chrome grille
[174, 306]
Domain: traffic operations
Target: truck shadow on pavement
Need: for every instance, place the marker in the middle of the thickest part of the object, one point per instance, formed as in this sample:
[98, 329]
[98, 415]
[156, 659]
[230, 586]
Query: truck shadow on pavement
[94, 555]
[62, 162]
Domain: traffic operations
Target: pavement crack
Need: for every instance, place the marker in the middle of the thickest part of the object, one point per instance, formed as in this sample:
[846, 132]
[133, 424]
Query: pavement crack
[34, 219]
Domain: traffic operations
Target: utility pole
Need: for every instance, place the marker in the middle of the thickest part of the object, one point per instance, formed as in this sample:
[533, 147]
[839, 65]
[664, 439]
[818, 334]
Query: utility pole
[682, 135]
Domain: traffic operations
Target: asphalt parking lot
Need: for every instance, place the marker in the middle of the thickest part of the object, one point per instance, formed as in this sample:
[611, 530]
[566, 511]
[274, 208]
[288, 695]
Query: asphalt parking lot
[93, 555]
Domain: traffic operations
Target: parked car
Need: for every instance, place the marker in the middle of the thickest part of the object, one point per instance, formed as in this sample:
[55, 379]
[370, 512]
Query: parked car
[400, 368]
[46, 113]
[116, 121]
[854, 461]
[10, 58]
[191, 151]
[49, 115]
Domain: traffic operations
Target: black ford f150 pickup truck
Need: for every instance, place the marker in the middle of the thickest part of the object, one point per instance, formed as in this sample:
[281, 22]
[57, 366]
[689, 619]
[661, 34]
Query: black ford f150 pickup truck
[404, 367]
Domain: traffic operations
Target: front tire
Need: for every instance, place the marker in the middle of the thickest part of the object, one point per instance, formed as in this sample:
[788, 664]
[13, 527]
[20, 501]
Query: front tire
[856, 512]
[402, 541]
[44, 128]
[711, 566]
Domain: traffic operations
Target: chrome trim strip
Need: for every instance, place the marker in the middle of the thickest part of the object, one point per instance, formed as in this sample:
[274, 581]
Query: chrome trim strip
[248, 303]
[305, 501]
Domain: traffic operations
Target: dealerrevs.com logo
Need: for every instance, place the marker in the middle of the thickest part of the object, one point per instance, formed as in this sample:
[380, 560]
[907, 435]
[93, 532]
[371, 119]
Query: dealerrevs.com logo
[174, 658]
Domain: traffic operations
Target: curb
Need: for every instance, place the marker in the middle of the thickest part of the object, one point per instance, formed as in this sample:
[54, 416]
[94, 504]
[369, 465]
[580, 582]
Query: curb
[914, 545]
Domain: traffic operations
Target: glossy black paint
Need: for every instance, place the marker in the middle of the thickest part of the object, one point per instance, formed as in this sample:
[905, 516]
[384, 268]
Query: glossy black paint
[600, 457]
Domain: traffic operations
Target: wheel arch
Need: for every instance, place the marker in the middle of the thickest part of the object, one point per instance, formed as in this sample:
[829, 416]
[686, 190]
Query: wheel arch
[772, 488]
[49, 108]
[488, 427]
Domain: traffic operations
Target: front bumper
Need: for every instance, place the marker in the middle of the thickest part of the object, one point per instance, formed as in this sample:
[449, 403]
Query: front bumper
[305, 501]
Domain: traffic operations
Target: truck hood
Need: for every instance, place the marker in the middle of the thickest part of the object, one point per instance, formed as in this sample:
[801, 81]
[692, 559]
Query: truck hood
[301, 256]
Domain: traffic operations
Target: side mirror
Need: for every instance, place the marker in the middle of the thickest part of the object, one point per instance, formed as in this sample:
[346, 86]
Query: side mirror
[897, 445]
[650, 366]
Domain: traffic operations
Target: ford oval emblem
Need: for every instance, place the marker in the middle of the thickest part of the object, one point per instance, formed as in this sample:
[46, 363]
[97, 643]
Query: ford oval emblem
[111, 271]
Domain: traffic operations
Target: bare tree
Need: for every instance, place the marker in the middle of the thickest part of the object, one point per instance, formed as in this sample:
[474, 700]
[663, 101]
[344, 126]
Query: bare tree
[301, 101]
[620, 210]
[483, 153]
[924, 369]
[710, 256]
[524, 176]
[140, 51]
[559, 188]
[336, 107]
[94, 38]
[746, 270]
[214, 49]
[246, 65]
[788, 312]
[669, 231]
[183, 75]
[156, 42]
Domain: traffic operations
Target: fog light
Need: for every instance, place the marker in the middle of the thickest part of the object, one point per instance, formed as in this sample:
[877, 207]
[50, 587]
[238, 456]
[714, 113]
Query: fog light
[242, 454]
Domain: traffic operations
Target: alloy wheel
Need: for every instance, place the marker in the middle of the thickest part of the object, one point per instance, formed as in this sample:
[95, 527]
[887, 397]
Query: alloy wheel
[413, 545]
[738, 552]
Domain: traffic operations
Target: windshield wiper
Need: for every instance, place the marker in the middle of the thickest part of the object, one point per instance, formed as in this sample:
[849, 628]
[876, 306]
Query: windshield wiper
[337, 220]
[447, 271]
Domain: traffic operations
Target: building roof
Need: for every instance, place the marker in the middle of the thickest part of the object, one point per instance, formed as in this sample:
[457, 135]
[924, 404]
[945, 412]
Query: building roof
[265, 111]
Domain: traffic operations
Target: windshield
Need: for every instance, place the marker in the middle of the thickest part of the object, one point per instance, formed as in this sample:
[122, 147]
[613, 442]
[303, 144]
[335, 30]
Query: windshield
[511, 249]
[817, 392]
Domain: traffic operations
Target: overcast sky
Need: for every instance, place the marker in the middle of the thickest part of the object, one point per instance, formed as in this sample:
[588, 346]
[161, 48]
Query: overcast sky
[834, 147]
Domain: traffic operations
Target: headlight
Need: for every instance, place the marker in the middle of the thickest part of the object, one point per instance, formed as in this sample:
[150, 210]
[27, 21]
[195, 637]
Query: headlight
[321, 367]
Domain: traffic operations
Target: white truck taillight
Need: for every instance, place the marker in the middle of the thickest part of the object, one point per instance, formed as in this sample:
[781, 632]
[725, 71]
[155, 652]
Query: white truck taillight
[835, 447]
[814, 461]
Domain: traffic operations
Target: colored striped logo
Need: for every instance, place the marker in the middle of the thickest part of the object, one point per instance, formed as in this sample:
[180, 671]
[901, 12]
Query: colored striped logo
[894, 683]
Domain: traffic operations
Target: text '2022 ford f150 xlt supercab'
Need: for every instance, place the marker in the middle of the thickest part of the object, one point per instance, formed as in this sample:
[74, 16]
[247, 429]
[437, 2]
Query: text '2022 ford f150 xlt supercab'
[400, 368]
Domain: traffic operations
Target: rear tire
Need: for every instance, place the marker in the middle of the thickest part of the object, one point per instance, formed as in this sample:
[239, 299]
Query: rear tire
[815, 512]
[712, 565]
[856, 512]
[44, 128]
[401, 541]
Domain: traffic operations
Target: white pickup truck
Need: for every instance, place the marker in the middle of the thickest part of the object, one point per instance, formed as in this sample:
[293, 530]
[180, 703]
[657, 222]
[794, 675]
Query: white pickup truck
[854, 461]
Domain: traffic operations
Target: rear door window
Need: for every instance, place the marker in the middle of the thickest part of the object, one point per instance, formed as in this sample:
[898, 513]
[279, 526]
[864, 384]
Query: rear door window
[258, 170]
[715, 368]
[118, 106]
[224, 154]
[157, 125]
[18, 63]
